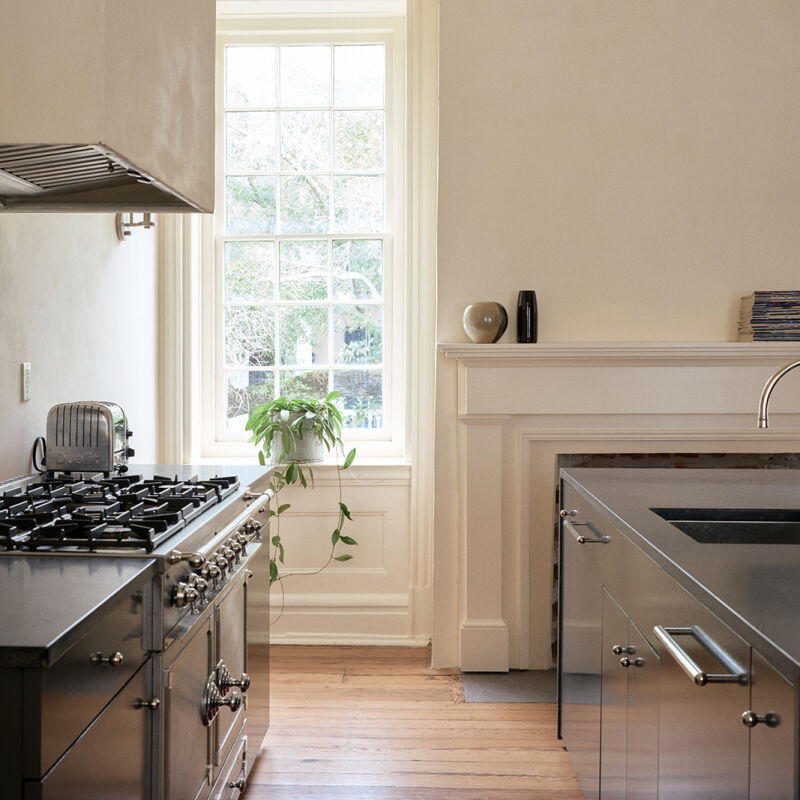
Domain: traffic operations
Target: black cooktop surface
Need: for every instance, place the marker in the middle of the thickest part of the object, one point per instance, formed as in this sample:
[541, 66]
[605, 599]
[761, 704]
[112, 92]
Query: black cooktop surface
[61, 512]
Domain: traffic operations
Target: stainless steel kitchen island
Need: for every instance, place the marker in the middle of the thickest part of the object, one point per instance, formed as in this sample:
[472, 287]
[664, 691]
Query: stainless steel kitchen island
[679, 633]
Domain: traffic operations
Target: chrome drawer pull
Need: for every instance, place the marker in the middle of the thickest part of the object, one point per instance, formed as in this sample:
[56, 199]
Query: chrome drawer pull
[570, 526]
[152, 704]
[735, 673]
[114, 660]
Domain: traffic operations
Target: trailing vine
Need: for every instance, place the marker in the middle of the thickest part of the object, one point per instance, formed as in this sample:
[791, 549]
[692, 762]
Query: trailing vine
[280, 425]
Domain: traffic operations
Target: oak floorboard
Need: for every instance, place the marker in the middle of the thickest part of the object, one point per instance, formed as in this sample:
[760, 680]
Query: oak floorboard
[376, 723]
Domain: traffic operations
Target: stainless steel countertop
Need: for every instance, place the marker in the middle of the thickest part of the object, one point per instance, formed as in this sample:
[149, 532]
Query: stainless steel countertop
[49, 602]
[754, 589]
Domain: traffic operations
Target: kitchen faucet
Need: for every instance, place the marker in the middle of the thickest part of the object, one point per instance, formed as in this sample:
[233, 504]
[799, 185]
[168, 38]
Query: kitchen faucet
[763, 403]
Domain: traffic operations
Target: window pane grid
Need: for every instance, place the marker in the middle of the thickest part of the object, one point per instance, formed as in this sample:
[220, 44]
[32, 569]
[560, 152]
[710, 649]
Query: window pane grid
[327, 313]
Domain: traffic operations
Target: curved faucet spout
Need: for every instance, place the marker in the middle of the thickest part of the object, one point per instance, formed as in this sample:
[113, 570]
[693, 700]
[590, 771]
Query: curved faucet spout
[763, 403]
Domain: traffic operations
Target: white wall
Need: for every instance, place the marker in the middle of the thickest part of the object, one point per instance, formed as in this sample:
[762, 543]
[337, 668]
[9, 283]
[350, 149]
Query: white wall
[636, 163]
[81, 307]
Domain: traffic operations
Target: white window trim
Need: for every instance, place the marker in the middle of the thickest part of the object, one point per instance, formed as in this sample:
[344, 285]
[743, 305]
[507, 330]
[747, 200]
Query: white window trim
[389, 443]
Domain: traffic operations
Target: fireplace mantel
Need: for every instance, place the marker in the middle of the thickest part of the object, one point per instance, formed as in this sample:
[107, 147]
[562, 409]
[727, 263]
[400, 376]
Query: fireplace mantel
[520, 405]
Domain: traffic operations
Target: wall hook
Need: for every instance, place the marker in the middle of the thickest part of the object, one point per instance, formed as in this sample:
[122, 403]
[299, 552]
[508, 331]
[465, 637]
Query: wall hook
[124, 225]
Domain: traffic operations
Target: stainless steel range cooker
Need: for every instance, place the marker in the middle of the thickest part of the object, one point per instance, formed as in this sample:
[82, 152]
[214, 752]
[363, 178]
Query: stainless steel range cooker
[152, 688]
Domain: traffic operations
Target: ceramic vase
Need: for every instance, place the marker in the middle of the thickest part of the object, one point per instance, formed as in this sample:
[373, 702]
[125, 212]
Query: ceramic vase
[485, 322]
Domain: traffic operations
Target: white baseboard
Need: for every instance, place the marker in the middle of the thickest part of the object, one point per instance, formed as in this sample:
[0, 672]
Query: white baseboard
[377, 640]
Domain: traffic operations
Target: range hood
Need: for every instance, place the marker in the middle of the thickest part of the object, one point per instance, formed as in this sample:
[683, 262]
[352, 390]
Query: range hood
[107, 105]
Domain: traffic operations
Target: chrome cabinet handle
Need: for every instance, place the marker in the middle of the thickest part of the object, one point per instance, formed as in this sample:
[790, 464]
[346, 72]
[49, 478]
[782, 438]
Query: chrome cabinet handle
[114, 660]
[564, 513]
[570, 526]
[631, 662]
[735, 673]
[750, 719]
[619, 649]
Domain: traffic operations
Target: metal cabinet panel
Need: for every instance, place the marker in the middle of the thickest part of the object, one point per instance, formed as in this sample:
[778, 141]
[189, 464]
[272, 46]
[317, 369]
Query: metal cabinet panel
[641, 774]
[187, 769]
[71, 692]
[579, 652]
[614, 713]
[773, 750]
[703, 746]
[114, 750]
[231, 637]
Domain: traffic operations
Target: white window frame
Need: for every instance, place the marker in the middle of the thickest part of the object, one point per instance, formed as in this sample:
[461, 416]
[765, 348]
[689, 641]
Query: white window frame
[389, 443]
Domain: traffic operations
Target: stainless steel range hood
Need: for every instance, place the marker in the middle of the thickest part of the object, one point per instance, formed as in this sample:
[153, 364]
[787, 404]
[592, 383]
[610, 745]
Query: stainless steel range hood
[107, 105]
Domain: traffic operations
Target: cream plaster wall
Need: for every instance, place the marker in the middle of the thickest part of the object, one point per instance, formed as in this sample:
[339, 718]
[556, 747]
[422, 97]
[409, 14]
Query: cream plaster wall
[637, 163]
[81, 307]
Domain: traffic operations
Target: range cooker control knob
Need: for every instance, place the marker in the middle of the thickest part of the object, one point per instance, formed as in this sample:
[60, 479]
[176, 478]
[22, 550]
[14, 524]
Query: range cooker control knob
[243, 541]
[221, 562]
[253, 528]
[237, 550]
[199, 583]
[213, 573]
[213, 701]
[230, 555]
[196, 560]
[226, 681]
[185, 595]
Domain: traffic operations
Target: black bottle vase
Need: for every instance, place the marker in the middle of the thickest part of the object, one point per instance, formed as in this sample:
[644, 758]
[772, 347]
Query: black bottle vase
[526, 316]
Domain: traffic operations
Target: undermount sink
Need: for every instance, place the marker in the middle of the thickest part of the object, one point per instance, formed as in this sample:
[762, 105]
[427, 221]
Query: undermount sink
[736, 525]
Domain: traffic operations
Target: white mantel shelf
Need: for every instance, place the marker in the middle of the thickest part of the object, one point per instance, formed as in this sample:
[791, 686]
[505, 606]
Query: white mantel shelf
[611, 353]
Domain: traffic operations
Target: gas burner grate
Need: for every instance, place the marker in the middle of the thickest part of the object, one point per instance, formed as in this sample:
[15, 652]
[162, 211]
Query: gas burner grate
[90, 513]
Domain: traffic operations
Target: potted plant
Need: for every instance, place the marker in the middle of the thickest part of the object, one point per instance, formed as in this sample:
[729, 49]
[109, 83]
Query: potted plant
[293, 432]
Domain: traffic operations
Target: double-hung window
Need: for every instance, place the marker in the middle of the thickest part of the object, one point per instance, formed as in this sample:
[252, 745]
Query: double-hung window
[308, 231]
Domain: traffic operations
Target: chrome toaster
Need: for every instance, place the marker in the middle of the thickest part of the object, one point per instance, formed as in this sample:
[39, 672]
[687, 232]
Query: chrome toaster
[87, 437]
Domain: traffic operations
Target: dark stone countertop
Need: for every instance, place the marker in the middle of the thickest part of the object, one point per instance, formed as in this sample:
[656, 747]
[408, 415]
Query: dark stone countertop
[50, 602]
[753, 588]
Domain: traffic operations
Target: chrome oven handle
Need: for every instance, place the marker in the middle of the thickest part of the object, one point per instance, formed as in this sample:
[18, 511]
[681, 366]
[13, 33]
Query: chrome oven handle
[571, 527]
[735, 673]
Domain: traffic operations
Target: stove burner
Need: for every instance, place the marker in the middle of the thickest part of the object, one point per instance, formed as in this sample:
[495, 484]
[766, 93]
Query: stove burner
[64, 512]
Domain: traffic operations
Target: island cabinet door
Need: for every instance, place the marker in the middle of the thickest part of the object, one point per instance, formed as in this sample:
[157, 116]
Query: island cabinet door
[774, 746]
[614, 712]
[703, 748]
[579, 650]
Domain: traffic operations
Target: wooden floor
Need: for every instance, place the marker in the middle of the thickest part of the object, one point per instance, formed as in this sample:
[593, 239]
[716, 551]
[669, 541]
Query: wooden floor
[375, 723]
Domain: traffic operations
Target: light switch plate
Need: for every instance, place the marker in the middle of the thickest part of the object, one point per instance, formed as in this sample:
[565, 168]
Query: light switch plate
[26, 380]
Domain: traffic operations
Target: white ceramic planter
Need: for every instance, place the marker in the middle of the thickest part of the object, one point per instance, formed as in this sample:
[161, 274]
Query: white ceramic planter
[306, 450]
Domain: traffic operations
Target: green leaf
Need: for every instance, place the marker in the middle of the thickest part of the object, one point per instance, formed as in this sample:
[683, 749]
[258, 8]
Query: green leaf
[291, 473]
[273, 571]
[334, 395]
[273, 513]
[343, 508]
[261, 458]
[302, 478]
[349, 460]
[348, 540]
[342, 558]
[276, 540]
[335, 536]
[284, 507]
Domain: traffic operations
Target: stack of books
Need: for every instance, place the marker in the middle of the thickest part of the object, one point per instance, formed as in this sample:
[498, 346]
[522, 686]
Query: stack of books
[770, 316]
